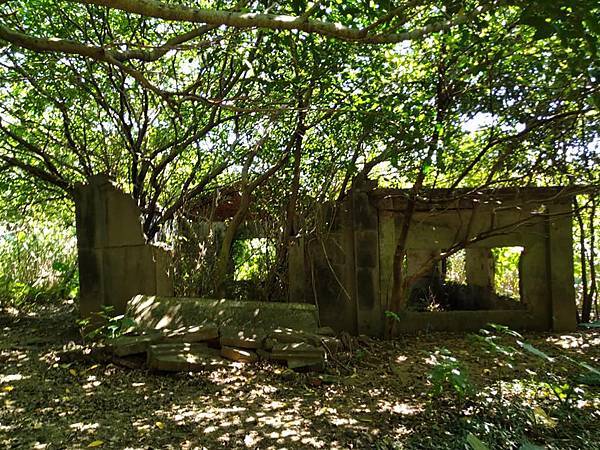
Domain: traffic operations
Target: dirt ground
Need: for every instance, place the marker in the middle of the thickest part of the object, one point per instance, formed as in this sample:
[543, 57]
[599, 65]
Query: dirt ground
[56, 392]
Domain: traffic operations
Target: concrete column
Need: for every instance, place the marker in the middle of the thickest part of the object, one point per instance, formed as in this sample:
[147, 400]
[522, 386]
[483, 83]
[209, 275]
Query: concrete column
[387, 248]
[296, 273]
[330, 273]
[479, 267]
[365, 223]
[560, 263]
[535, 284]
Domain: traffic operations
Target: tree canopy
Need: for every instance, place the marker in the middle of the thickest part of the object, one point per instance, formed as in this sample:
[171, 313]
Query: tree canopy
[289, 102]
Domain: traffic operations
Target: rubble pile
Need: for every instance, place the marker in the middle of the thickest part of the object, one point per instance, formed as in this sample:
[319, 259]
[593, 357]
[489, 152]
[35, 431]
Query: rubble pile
[208, 346]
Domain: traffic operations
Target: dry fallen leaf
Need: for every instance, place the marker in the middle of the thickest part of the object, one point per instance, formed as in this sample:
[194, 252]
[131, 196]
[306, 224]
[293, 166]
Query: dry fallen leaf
[543, 418]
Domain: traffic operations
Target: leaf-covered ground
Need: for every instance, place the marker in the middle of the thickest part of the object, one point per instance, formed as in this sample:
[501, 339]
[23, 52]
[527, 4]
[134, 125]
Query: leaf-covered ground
[57, 393]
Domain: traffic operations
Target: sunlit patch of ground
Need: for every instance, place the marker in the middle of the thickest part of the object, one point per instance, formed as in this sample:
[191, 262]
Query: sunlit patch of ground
[377, 397]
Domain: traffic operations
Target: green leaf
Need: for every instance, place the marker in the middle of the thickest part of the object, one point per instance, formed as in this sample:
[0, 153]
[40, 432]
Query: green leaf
[534, 351]
[475, 443]
[529, 446]
[589, 379]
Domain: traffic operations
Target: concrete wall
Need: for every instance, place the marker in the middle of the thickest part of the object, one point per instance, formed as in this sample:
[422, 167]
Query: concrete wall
[115, 263]
[350, 276]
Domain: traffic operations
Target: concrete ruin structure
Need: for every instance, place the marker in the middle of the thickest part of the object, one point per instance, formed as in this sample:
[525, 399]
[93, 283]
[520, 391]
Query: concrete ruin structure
[347, 269]
[115, 262]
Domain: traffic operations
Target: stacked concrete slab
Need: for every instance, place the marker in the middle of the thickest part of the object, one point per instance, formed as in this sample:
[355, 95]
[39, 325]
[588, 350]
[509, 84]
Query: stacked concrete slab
[187, 334]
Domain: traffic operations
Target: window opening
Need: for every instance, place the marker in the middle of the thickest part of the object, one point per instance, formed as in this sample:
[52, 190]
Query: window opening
[507, 273]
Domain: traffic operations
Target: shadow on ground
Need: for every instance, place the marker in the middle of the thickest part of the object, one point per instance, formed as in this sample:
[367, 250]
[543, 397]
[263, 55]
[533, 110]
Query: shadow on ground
[57, 393]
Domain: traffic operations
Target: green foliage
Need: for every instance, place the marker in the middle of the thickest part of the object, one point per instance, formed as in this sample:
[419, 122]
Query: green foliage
[394, 316]
[475, 443]
[111, 326]
[37, 260]
[508, 98]
[448, 372]
[251, 258]
[506, 270]
[549, 379]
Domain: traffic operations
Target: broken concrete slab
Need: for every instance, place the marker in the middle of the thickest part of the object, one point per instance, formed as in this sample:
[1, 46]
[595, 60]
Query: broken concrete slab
[309, 364]
[173, 362]
[155, 312]
[326, 331]
[242, 338]
[181, 347]
[115, 262]
[131, 345]
[238, 354]
[134, 362]
[263, 354]
[183, 357]
[198, 333]
[299, 350]
[288, 335]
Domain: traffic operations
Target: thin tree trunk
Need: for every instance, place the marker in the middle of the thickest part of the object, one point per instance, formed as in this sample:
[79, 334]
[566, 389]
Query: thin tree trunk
[401, 283]
[586, 304]
[222, 263]
[593, 292]
[221, 266]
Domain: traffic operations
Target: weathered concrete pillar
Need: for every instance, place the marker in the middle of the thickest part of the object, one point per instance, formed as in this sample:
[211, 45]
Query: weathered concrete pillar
[330, 270]
[535, 283]
[387, 249]
[479, 267]
[365, 222]
[115, 263]
[560, 263]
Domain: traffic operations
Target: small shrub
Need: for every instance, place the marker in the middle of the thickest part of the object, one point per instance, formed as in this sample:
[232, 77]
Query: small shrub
[111, 326]
[447, 372]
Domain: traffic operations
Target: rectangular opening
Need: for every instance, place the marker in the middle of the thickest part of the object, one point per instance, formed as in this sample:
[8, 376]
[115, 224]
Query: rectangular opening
[453, 268]
[507, 273]
[472, 279]
[251, 258]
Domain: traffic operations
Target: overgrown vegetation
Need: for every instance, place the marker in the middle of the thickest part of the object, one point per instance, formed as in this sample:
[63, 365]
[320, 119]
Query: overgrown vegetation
[38, 257]
[238, 124]
[219, 114]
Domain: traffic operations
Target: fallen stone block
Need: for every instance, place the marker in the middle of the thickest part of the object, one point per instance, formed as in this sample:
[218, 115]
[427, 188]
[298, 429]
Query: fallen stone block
[309, 364]
[287, 335]
[131, 345]
[299, 350]
[263, 354]
[242, 338]
[326, 331]
[239, 355]
[199, 333]
[183, 357]
[175, 347]
[134, 362]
